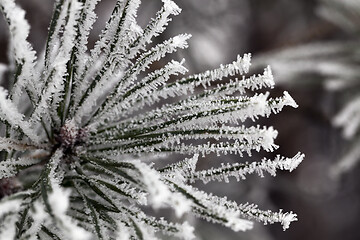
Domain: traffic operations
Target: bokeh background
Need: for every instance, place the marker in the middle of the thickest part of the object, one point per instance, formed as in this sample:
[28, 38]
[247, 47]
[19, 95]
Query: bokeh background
[313, 46]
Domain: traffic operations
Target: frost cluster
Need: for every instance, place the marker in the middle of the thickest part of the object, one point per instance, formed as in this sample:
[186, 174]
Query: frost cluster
[79, 127]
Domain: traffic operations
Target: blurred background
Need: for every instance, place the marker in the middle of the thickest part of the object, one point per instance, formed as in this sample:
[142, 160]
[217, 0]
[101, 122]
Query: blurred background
[314, 49]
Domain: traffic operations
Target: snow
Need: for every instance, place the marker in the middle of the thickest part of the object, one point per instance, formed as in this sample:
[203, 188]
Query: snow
[286, 219]
[122, 232]
[289, 101]
[59, 200]
[9, 206]
[9, 167]
[238, 224]
[349, 118]
[186, 232]
[10, 114]
[171, 7]
[159, 192]
[9, 144]
[240, 170]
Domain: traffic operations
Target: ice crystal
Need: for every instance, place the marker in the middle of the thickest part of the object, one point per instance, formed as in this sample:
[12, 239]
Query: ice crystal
[81, 126]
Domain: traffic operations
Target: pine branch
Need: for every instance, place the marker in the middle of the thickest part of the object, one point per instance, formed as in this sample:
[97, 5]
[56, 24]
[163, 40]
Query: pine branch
[76, 158]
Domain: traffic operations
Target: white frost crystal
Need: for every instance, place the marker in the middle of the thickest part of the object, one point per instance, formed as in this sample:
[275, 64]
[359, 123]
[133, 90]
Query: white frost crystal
[84, 138]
